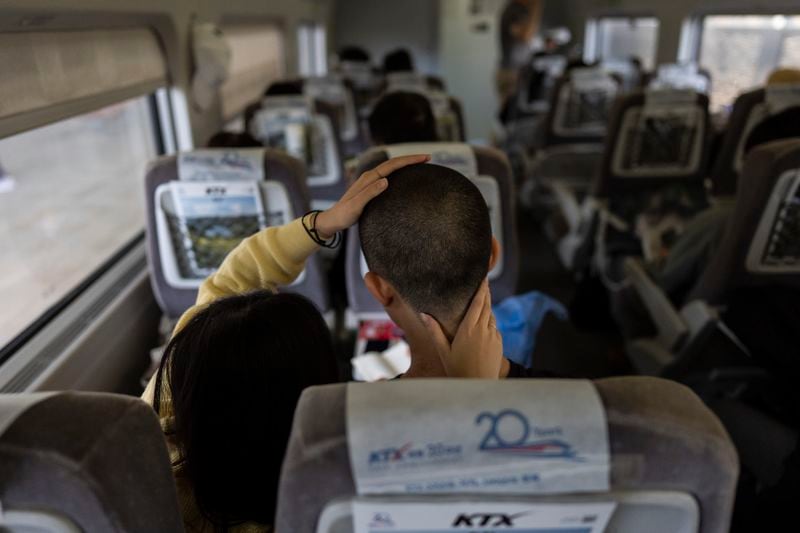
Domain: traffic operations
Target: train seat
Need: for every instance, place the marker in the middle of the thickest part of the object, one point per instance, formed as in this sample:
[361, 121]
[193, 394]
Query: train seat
[490, 171]
[570, 146]
[447, 109]
[309, 130]
[650, 180]
[75, 461]
[681, 76]
[758, 248]
[178, 264]
[643, 454]
[749, 110]
[333, 90]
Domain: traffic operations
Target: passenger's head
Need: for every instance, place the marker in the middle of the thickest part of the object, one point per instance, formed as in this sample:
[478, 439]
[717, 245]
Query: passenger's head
[399, 60]
[285, 88]
[400, 117]
[228, 139]
[428, 243]
[235, 373]
[783, 125]
[355, 54]
[784, 76]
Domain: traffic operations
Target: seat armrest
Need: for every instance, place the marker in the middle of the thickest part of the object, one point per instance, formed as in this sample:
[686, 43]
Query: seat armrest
[698, 315]
[671, 327]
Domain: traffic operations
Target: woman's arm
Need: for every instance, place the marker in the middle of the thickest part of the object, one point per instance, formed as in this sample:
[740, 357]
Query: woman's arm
[274, 256]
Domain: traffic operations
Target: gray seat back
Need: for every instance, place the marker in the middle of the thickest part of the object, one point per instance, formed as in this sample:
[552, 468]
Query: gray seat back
[655, 137]
[749, 110]
[283, 194]
[759, 245]
[492, 174]
[579, 111]
[309, 130]
[74, 461]
[670, 466]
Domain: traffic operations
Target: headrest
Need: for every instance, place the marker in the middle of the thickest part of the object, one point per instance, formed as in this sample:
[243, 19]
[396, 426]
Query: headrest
[583, 102]
[782, 96]
[519, 437]
[457, 156]
[12, 406]
[551, 64]
[777, 98]
[663, 137]
[685, 76]
[223, 164]
[406, 81]
[331, 89]
[776, 246]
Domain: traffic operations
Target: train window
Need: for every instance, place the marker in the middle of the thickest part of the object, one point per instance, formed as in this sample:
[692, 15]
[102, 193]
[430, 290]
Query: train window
[623, 37]
[312, 49]
[257, 59]
[70, 197]
[741, 50]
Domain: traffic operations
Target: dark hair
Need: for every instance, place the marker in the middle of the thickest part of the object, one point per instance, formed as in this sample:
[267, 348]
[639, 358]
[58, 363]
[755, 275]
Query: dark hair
[285, 88]
[400, 117]
[354, 53]
[399, 60]
[228, 139]
[429, 235]
[779, 126]
[234, 374]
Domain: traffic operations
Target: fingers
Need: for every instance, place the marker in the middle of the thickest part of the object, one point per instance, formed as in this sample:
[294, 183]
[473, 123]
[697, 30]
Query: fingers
[473, 316]
[438, 337]
[396, 163]
[366, 194]
[383, 171]
[487, 317]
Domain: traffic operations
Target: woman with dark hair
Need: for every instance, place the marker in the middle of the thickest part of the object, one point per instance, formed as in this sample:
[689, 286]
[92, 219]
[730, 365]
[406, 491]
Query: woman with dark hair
[231, 375]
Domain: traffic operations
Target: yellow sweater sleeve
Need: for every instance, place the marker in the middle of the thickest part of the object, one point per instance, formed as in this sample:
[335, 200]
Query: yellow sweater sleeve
[272, 257]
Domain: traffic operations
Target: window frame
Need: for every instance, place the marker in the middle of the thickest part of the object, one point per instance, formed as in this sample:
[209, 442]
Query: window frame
[591, 48]
[693, 29]
[312, 53]
[163, 134]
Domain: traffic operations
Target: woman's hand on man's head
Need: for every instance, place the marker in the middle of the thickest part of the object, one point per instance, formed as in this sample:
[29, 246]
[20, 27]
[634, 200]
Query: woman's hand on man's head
[370, 184]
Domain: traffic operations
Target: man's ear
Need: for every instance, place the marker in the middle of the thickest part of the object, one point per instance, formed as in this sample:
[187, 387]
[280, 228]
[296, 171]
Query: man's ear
[496, 251]
[380, 289]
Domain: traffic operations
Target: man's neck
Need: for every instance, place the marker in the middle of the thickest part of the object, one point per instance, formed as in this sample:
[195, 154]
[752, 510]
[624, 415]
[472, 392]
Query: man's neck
[425, 363]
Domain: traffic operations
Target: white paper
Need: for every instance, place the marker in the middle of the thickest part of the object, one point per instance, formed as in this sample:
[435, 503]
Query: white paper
[481, 517]
[246, 164]
[462, 436]
[374, 366]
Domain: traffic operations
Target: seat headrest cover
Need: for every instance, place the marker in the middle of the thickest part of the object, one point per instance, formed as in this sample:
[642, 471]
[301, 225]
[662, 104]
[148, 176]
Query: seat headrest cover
[476, 436]
[782, 96]
[670, 96]
[297, 101]
[457, 156]
[14, 405]
[222, 165]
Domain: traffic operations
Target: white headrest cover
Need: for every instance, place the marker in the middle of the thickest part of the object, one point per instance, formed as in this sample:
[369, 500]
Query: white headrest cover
[222, 164]
[782, 96]
[477, 436]
[458, 156]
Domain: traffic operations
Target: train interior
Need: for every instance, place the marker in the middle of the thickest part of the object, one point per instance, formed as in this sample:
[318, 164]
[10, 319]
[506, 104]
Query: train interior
[641, 169]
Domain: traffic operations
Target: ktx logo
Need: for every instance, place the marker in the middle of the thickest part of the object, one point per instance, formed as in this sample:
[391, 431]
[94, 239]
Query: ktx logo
[486, 519]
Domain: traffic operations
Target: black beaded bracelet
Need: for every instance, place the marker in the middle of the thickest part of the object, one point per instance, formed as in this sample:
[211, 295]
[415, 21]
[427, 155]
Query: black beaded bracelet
[313, 233]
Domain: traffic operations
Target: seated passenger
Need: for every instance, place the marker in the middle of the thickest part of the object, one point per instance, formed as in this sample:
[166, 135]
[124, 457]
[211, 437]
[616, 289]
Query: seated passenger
[354, 54]
[429, 247]
[237, 363]
[399, 60]
[228, 139]
[401, 117]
